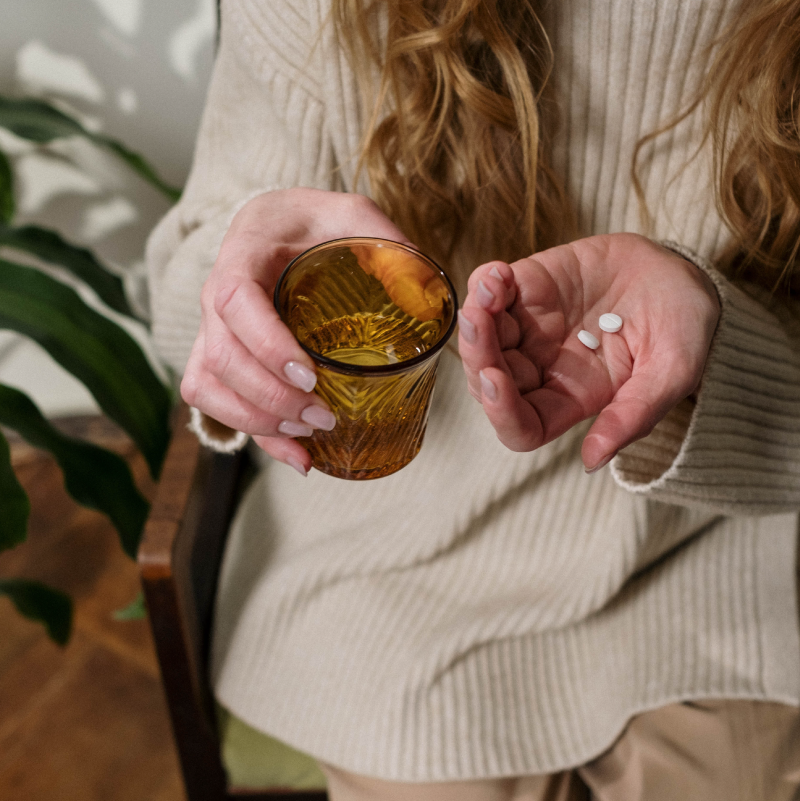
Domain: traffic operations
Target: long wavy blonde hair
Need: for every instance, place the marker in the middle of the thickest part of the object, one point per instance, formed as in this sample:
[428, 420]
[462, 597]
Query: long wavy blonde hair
[457, 148]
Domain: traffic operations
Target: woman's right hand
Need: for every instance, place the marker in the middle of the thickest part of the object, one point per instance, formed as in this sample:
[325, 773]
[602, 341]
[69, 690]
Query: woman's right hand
[246, 369]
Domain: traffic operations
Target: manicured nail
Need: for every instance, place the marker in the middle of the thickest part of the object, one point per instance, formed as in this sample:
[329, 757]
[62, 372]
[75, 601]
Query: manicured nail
[300, 376]
[292, 462]
[295, 429]
[488, 389]
[601, 464]
[318, 417]
[496, 273]
[467, 328]
[484, 297]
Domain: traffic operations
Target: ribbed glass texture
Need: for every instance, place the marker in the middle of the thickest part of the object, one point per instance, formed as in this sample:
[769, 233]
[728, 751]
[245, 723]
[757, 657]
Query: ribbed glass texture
[374, 315]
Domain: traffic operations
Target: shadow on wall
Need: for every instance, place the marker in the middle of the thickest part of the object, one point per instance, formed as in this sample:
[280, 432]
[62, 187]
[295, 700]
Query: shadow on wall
[136, 70]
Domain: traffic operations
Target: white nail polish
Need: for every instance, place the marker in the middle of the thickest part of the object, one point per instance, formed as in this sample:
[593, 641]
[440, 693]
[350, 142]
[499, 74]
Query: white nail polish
[317, 417]
[300, 376]
[601, 464]
[488, 389]
[484, 296]
[295, 429]
[292, 462]
[467, 329]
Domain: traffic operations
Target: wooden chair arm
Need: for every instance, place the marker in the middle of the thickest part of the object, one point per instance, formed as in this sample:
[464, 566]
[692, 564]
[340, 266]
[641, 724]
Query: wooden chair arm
[179, 559]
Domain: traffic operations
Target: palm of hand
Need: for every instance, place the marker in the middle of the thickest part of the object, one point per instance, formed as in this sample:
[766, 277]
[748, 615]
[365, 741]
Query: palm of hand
[563, 380]
[544, 380]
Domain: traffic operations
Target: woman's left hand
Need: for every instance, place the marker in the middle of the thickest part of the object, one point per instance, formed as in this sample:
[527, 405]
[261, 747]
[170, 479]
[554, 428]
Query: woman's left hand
[518, 339]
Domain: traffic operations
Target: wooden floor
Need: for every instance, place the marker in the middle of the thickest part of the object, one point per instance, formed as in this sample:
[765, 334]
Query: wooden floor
[87, 722]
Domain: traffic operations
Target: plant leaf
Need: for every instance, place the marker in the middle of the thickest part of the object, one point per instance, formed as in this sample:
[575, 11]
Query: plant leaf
[14, 504]
[100, 354]
[94, 476]
[138, 164]
[41, 603]
[40, 122]
[50, 247]
[7, 205]
[36, 120]
[135, 610]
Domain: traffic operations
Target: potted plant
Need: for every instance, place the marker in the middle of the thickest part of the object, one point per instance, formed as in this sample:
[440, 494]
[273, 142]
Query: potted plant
[91, 346]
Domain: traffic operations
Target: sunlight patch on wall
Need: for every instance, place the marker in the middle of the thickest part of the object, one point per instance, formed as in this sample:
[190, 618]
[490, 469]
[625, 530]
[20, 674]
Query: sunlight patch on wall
[189, 39]
[41, 69]
[29, 368]
[103, 219]
[42, 179]
[127, 100]
[124, 15]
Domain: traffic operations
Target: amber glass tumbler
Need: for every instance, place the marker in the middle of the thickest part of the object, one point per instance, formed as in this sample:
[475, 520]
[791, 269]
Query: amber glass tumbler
[374, 316]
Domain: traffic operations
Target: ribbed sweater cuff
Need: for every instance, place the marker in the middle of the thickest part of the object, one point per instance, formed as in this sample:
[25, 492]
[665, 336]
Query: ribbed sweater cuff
[737, 449]
[215, 435]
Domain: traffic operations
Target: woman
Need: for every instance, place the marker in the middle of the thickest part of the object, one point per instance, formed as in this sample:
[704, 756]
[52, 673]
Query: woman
[493, 621]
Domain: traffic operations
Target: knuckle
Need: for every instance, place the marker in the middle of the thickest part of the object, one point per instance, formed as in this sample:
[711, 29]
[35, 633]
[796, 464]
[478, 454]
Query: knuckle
[217, 354]
[268, 350]
[253, 424]
[226, 296]
[274, 397]
[217, 358]
[190, 387]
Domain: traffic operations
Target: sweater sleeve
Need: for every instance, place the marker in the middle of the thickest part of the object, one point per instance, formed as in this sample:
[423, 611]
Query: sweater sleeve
[263, 128]
[736, 449]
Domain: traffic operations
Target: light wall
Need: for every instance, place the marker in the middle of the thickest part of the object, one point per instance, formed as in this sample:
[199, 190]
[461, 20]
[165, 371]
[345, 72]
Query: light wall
[138, 71]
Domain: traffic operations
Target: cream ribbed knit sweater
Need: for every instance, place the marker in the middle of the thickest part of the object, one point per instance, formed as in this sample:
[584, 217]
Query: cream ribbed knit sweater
[482, 612]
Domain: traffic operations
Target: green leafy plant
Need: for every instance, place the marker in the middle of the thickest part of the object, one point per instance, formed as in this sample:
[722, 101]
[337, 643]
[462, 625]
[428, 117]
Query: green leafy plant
[91, 346]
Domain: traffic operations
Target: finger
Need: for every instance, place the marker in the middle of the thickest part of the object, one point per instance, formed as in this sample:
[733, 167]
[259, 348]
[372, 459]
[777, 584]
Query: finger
[235, 367]
[526, 375]
[205, 392]
[516, 422]
[508, 330]
[572, 389]
[249, 314]
[497, 269]
[640, 403]
[288, 451]
[478, 345]
[491, 287]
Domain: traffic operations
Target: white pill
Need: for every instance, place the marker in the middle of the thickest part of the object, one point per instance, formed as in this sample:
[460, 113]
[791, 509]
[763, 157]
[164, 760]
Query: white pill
[589, 339]
[610, 322]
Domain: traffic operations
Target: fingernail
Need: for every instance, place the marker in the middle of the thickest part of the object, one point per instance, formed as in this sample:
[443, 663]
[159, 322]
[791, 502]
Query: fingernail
[496, 273]
[292, 462]
[295, 429]
[318, 417]
[484, 296]
[488, 389]
[300, 376]
[601, 464]
[467, 328]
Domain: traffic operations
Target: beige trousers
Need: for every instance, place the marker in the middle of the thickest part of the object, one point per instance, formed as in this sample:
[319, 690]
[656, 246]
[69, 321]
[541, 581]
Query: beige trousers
[700, 751]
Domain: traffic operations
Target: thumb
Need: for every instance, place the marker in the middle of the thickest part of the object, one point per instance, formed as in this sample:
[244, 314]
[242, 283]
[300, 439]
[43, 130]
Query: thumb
[639, 404]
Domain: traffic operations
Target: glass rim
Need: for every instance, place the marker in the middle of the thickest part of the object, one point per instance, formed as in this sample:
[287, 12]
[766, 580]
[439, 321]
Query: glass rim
[380, 369]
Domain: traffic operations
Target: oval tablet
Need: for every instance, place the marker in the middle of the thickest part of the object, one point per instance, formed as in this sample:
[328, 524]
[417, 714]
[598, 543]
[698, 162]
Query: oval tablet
[610, 322]
[589, 339]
